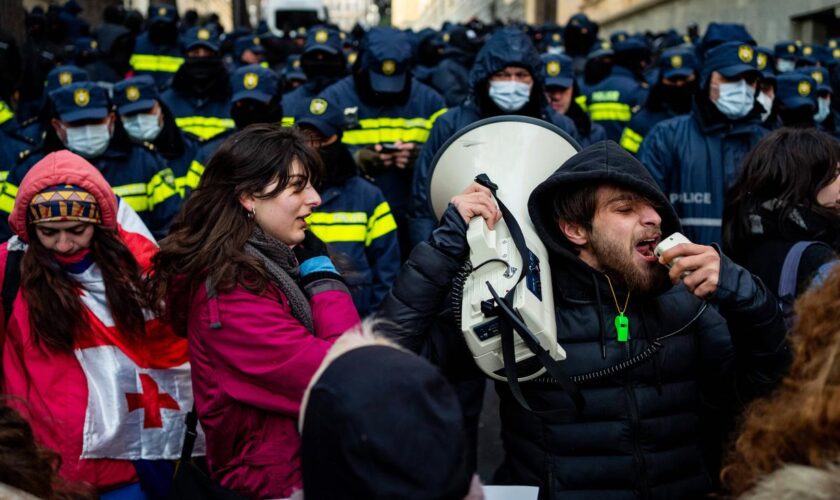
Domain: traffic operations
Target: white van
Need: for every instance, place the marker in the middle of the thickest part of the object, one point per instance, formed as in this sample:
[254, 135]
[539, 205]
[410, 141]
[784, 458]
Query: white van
[284, 16]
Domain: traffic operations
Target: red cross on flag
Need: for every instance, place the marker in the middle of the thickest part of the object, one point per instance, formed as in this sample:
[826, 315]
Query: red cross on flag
[138, 392]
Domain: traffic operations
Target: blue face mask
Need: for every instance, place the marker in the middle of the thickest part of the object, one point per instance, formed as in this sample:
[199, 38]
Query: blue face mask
[736, 99]
[142, 126]
[785, 65]
[89, 141]
[510, 96]
[823, 109]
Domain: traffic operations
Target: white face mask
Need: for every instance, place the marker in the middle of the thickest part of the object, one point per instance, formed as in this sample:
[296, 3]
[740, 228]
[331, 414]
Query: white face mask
[510, 96]
[142, 126]
[89, 141]
[823, 109]
[767, 103]
[736, 99]
[785, 65]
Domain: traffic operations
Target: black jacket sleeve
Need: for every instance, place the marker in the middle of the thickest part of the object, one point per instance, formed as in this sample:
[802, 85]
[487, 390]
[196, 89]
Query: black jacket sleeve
[416, 310]
[757, 356]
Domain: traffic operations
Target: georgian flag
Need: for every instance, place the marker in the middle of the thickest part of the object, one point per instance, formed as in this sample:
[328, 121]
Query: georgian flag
[138, 393]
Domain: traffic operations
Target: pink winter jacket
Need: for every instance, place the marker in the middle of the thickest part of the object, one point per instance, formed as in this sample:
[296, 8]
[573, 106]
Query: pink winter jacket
[251, 362]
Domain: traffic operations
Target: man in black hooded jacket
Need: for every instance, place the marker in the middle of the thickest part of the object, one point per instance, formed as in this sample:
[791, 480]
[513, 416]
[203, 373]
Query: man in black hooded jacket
[655, 430]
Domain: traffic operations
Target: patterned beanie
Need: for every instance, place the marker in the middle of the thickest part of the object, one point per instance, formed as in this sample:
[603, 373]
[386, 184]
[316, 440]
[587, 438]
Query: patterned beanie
[64, 202]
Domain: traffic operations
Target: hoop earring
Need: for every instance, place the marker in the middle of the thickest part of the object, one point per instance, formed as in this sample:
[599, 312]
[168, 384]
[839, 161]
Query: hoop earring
[252, 214]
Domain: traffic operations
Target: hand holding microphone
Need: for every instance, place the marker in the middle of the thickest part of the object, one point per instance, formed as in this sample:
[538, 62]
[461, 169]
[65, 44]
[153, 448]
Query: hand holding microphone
[698, 266]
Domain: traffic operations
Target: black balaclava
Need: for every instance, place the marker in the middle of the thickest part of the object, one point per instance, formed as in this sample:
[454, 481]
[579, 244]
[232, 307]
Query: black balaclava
[203, 77]
[322, 69]
[249, 111]
[597, 69]
[163, 33]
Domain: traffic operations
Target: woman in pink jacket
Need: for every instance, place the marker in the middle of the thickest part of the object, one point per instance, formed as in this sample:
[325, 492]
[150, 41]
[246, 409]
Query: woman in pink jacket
[81, 355]
[259, 300]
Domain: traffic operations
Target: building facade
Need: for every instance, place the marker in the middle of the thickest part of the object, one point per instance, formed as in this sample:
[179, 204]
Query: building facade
[767, 20]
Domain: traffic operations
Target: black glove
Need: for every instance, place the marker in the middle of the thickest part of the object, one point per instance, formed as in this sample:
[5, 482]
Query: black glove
[314, 260]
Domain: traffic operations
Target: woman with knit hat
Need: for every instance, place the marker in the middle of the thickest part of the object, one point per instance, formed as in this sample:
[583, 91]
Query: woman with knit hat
[99, 379]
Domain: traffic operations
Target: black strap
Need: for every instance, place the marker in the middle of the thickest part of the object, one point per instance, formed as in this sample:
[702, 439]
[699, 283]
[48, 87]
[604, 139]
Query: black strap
[11, 282]
[190, 434]
[510, 321]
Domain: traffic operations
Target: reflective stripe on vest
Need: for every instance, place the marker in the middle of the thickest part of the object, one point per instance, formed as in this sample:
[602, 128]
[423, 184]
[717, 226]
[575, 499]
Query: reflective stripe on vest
[384, 130]
[7, 197]
[155, 63]
[205, 127]
[610, 111]
[6, 113]
[333, 227]
[190, 180]
[630, 140]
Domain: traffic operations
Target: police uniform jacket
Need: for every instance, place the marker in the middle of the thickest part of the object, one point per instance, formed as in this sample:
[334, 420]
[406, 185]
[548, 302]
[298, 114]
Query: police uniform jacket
[639, 127]
[506, 47]
[645, 432]
[159, 61]
[136, 174]
[201, 117]
[13, 145]
[612, 101]
[368, 124]
[694, 158]
[356, 223]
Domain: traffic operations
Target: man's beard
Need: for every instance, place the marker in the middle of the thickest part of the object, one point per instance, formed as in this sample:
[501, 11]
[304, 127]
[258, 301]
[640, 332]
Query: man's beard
[618, 260]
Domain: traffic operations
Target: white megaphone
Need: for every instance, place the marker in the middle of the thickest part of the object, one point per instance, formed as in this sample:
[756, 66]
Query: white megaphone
[515, 153]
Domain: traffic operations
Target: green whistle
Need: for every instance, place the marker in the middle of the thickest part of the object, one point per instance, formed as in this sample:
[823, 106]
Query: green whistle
[622, 327]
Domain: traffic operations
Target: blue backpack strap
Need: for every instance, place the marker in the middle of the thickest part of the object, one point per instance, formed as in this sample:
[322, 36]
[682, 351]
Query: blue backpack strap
[790, 268]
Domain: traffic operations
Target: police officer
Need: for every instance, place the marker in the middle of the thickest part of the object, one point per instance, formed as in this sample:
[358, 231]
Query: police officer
[353, 219]
[256, 99]
[115, 44]
[765, 62]
[451, 77]
[388, 116]
[796, 99]
[560, 90]
[787, 55]
[824, 118]
[148, 121]
[581, 35]
[671, 96]
[293, 77]
[248, 49]
[157, 52]
[35, 127]
[13, 145]
[323, 63]
[613, 101]
[200, 93]
[506, 79]
[83, 123]
[695, 157]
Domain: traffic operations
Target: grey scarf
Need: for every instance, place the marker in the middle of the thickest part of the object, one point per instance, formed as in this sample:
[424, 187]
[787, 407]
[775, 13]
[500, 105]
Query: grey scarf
[282, 267]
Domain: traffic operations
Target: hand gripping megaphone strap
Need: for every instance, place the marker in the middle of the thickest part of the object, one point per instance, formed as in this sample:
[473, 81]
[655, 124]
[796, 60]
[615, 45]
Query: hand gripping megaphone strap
[511, 321]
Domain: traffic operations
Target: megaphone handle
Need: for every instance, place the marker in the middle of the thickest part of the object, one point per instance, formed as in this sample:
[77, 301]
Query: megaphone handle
[508, 321]
[512, 225]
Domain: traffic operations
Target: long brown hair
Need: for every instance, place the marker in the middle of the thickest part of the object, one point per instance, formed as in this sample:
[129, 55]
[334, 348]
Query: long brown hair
[28, 467]
[800, 423]
[53, 299]
[208, 237]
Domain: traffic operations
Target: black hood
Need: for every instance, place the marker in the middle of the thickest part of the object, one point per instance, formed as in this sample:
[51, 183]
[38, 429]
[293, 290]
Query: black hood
[604, 162]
